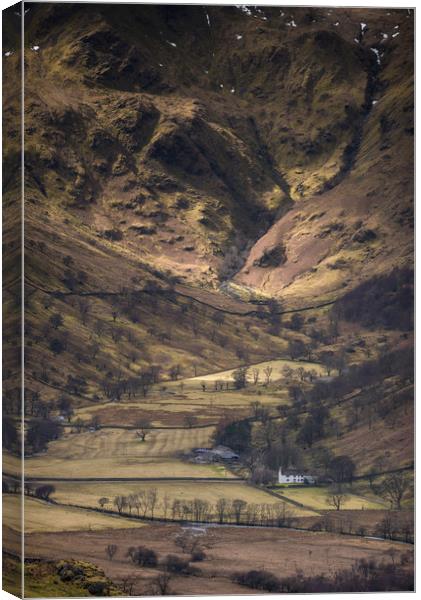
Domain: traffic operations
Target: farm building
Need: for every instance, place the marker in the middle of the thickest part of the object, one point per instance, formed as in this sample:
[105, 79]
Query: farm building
[219, 453]
[295, 476]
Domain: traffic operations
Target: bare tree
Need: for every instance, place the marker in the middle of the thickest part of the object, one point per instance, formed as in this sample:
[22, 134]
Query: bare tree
[268, 373]
[255, 373]
[103, 501]
[187, 541]
[143, 426]
[393, 489]
[175, 372]
[127, 585]
[222, 509]
[165, 505]
[301, 373]
[238, 507]
[145, 381]
[111, 550]
[328, 360]
[120, 502]
[336, 498]
[152, 500]
[256, 408]
[287, 372]
[161, 585]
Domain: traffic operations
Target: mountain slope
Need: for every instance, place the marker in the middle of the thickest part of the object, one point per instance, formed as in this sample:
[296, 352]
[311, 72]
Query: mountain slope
[184, 134]
[183, 160]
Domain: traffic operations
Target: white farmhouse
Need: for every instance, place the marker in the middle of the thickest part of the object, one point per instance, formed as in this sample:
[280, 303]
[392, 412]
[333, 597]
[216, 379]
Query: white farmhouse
[294, 476]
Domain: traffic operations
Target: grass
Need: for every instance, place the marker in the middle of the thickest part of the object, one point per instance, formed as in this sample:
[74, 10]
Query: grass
[11, 463]
[170, 403]
[87, 494]
[42, 579]
[231, 549]
[316, 498]
[129, 468]
[109, 453]
[122, 443]
[171, 408]
[42, 516]
[277, 371]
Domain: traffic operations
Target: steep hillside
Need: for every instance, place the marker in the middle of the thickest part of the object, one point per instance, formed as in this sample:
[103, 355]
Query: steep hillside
[181, 161]
[338, 236]
[184, 135]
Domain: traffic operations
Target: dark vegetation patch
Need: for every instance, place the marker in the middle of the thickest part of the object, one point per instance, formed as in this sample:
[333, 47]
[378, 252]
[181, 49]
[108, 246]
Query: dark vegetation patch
[236, 434]
[364, 576]
[114, 235]
[272, 257]
[383, 301]
[364, 235]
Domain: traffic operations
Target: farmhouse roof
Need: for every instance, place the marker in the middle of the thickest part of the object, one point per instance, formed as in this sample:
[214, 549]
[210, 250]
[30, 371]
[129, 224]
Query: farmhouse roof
[293, 472]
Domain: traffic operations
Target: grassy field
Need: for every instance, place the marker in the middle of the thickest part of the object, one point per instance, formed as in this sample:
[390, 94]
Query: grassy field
[170, 403]
[171, 407]
[11, 464]
[87, 494]
[122, 443]
[166, 409]
[316, 498]
[41, 516]
[228, 550]
[119, 453]
[277, 367]
[129, 468]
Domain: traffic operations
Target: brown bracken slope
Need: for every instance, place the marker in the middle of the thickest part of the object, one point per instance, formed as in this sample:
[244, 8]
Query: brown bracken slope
[225, 153]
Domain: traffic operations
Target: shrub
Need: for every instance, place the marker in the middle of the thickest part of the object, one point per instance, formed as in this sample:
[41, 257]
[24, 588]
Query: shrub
[69, 572]
[258, 580]
[175, 564]
[114, 235]
[271, 257]
[98, 588]
[56, 346]
[198, 555]
[144, 557]
[44, 491]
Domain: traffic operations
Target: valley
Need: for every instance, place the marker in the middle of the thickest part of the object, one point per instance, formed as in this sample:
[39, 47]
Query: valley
[218, 295]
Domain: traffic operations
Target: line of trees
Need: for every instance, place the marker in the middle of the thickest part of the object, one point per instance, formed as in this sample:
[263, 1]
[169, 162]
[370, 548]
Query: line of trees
[43, 491]
[147, 504]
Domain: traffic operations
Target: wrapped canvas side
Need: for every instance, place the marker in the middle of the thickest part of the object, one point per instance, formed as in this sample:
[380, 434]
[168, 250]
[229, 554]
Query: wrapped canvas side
[12, 301]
